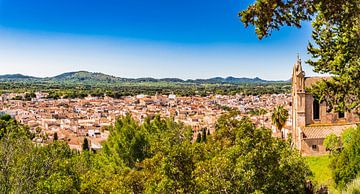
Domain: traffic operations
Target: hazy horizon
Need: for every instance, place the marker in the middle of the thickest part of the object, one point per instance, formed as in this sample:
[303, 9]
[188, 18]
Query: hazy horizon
[139, 77]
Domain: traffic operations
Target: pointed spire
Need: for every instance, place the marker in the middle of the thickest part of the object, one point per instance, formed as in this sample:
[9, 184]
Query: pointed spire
[298, 63]
[298, 58]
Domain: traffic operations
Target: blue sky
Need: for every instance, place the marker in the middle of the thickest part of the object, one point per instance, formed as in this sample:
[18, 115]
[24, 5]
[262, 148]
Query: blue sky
[142, 38]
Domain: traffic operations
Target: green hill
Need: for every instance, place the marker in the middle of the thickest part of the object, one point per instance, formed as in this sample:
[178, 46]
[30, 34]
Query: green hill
[85, 77]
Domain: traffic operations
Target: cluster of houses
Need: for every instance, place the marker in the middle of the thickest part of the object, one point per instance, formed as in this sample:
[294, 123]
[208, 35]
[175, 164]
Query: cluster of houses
[74, 119]
[308, 124]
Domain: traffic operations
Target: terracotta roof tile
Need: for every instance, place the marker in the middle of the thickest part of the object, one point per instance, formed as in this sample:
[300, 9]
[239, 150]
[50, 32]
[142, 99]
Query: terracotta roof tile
[317, 132]
[309, 81]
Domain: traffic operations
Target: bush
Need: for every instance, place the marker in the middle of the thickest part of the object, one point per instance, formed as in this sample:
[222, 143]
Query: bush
[353, 187]
[346, 163]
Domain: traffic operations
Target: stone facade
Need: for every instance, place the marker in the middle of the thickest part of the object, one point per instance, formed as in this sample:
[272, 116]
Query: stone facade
[311, 120]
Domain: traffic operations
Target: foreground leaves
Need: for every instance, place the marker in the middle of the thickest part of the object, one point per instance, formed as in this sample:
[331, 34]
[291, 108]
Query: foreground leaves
[158, 156]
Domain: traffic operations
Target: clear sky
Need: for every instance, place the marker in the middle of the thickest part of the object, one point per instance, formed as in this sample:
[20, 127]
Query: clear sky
[143, 38]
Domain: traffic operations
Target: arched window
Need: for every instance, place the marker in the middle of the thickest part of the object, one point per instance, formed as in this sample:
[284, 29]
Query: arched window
[316, 109]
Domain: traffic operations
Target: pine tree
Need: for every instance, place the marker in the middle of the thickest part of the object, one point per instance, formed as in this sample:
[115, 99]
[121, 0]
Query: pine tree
[85, 145]
[198, 138]
[203, 139]
[56, 136]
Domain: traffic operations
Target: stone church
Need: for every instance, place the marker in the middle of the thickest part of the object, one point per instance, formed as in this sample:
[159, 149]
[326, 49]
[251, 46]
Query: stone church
[311, 120]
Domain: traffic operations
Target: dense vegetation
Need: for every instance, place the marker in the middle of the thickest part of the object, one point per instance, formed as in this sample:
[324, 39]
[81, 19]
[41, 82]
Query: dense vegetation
[91, 78]
[345, 162]
[334, 50]
[158, 156]
[79, 90]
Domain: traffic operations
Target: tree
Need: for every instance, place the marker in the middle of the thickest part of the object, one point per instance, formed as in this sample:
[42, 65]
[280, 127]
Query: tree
[85, 145]
[203, 136]
[255, 162]
[353, 187]
[198, 138]
[335, 47]
[345, 165]
[157, 156]
[5, 117]
[127, 141]
[279, 117]
[56, 136]
[27, 168]
[332, 142]
[14, 146]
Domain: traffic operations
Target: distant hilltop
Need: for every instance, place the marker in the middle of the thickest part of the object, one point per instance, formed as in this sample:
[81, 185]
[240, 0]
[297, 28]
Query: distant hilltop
[91, 77]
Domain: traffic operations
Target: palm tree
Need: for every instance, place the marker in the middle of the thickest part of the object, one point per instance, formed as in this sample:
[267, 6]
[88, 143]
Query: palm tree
[279, 117]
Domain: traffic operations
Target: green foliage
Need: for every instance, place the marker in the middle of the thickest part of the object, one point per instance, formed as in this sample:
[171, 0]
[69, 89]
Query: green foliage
[250, 161]
[279, 117]
[10, 128]
[346, 164]
[56, 136]
[353, 187]
[52, 170]
[13, 146]
[198, 138]
[127, 141]
[335, 46]
[28, 96]
[27, 168]
[268, 15]
[119, 90]
[85, 145]
[203, 136]
[332, 142]
[5, 117]
[157, 156]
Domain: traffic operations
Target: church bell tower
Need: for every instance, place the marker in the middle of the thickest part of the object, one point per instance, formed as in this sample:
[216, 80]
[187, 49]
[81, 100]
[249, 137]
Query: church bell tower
[298, 103]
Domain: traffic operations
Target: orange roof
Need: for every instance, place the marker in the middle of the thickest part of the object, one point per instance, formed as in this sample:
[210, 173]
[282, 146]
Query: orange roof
[309, 81]
[75, 141]
[319, 132]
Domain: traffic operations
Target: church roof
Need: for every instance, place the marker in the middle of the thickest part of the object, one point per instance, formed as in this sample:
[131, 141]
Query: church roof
[309, 81]
[321, 131]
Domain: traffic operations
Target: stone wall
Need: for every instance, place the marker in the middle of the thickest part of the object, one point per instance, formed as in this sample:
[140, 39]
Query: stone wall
[326, 117]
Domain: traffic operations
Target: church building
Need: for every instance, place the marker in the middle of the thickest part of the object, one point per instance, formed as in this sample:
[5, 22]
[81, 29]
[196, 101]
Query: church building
[311, 120]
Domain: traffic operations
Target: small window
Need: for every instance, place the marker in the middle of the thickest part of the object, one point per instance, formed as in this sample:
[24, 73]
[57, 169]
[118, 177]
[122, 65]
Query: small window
[341, 115]
[316, 110]
[314, 147]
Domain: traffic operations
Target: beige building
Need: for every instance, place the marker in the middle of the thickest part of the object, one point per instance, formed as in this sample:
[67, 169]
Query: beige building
[311, 120]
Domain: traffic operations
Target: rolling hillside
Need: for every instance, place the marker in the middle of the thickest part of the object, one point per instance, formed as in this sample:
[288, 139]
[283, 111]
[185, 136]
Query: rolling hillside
[90, 77]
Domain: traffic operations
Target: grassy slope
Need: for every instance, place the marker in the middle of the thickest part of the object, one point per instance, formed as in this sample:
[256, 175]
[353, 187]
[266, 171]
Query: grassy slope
[319, 165]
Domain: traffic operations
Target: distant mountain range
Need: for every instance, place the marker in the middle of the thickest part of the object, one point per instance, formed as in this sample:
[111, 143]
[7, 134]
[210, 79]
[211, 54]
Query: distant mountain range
[90, 77]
